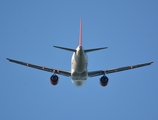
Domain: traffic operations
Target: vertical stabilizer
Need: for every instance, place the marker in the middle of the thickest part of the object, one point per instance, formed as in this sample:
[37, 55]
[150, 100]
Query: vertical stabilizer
[80, 37]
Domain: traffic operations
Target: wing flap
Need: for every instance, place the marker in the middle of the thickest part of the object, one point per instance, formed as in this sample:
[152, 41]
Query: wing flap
[126, 68]
[101, 72]
[61, 72]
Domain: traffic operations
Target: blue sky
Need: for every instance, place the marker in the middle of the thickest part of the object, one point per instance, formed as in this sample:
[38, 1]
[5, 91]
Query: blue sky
[28, 31]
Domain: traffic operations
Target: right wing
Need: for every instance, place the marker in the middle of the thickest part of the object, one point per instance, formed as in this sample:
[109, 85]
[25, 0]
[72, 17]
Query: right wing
[57, 71]
[102, 72]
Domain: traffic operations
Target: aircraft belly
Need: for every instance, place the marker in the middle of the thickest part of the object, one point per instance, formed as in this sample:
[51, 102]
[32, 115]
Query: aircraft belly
[79, 76]
[78, 83]
[79, 67]
[79, 71]
[79, 79]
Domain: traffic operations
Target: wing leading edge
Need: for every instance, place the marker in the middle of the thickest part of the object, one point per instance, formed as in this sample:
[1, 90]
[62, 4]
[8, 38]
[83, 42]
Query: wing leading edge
[68, 73]
[102, 72]
[57, 71]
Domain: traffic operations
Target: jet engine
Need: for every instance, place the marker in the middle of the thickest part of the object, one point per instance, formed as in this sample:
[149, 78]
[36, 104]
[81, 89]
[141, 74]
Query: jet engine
[54, 79]
[104, 81]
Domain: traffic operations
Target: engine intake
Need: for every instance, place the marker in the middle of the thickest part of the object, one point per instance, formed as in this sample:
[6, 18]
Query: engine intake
[54, 79]
[104, 81]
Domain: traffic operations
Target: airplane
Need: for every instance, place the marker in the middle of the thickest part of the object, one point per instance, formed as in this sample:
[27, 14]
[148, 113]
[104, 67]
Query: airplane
[79, 63]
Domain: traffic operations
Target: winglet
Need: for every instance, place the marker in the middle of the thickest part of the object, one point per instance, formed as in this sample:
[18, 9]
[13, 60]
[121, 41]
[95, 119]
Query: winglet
[80, 37]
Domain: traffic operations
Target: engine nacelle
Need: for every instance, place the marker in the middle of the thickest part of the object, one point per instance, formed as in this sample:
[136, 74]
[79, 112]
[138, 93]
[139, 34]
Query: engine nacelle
[54, 79]
[104, 81]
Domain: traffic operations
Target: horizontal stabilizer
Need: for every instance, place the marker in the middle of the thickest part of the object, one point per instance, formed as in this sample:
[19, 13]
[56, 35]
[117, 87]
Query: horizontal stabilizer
[68, 49]
[95, 49]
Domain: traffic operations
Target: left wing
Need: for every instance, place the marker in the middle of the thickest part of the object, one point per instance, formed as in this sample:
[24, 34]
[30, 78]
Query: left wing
[101, 72]
[57, 71]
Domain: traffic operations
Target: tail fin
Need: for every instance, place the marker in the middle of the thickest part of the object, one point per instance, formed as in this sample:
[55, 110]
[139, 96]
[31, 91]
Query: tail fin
[80, 40]
[80, 43]
[80, 37]
[90, 50]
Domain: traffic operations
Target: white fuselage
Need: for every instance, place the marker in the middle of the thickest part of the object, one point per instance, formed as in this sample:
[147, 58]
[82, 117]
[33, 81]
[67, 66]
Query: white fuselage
[79, 63]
